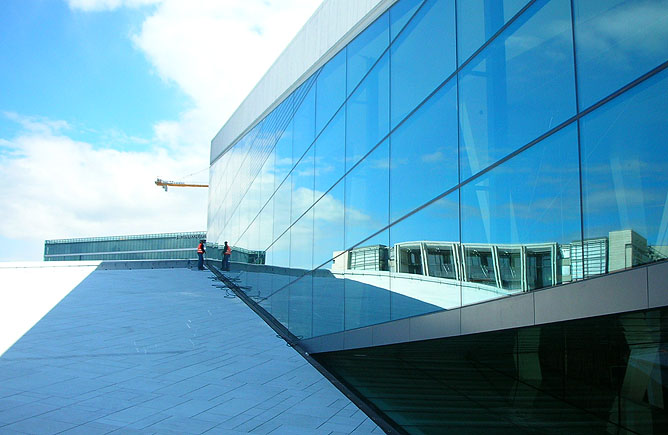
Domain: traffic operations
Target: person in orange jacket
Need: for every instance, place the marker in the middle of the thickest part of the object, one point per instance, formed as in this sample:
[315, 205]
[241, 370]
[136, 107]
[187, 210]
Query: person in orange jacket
[200, 255]
[227, 251]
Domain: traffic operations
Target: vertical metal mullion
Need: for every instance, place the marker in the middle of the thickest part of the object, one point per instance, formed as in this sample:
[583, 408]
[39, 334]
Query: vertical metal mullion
[577, 123]
[389, 152]
[459, 163]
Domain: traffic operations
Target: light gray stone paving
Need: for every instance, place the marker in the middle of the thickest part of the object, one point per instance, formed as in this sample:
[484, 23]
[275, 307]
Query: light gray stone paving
[163, 351]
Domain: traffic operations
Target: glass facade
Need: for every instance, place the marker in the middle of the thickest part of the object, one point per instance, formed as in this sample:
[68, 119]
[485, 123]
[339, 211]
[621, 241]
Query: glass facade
[166, 246]
[454, 152]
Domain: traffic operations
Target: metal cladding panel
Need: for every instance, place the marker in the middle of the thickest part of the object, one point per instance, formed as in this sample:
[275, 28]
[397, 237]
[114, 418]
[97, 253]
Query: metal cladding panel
[657, 281]
[609, 294]
[620, 292]
[332, 26]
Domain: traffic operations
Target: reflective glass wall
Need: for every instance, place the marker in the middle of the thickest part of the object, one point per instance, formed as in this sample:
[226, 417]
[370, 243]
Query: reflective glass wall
[454, 152]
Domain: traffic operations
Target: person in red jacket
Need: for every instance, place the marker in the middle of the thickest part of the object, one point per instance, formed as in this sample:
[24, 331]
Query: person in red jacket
[200, 254]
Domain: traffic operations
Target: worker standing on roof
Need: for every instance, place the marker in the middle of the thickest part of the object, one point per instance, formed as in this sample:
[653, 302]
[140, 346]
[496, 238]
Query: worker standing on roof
[227, 251]
[200, 254]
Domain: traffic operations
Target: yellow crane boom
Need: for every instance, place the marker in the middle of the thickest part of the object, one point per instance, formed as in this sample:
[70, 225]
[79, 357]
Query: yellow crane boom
[165, 183]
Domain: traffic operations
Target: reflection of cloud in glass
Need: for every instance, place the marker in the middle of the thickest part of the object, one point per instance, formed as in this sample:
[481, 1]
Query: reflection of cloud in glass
[433, 157]
[624, 28]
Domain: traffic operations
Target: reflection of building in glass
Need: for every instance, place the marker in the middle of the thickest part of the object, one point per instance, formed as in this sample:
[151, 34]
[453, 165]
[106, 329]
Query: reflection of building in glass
[238, 255]
[167, 246]
[512, 267]
[473, 166]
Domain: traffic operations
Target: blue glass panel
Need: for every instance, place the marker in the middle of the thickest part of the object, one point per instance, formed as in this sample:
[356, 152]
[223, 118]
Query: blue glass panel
[327, 301]
[267, 227]
[302, 185]
[365, 50]
[301, 244]
[367, 119]
[267, 178]
[367, 197]
[424, 153]
[625, 178]
[329, 154]
[283, 162]
[304, 126]
[616, 42]
[282, 205]
[425, 271]
[367, 283]
[518, 88]
[422, 56]
[331, 89]
[328, 226]
[521, 219]
[479, 20]
[301, 307]
[281, 277]
[400, 13]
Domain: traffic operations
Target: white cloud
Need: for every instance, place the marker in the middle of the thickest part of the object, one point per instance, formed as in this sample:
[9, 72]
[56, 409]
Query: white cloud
[52, 186]
[217, 51]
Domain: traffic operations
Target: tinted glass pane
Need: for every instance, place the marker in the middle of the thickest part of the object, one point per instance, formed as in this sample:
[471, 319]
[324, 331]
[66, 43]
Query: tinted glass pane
[266, 178]
[366, 197]
[422, 56]
[578, 377]
[528, 206]
[302, 186]
[424, 269]
[282, 202]
[301, 307]
[301, 244]
[625, 178]
[367, 119]
[367, 283]
[617, 41]
[327, 301]
[331, 89]
[519, 87]
[267, 226]
[424, 153]
[479, 20]
[329, 154]
[364, 50]
[283, 162]
[304, 126]
[328, 226]
[400, 13]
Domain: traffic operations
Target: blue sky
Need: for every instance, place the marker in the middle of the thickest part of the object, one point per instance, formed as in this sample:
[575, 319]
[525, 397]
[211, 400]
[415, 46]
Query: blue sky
[99, 97]
[81, 67]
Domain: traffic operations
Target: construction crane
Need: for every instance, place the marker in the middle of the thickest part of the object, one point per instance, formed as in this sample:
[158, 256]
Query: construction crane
[165, 183]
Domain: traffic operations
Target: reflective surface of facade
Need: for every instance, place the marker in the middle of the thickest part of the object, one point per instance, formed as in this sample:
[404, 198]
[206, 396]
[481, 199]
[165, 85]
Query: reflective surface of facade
[454, 152]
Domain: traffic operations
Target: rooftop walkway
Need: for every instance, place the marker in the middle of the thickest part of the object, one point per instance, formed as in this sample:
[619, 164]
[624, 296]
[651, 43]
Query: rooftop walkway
[159, 351]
